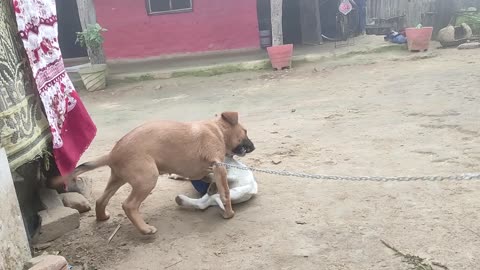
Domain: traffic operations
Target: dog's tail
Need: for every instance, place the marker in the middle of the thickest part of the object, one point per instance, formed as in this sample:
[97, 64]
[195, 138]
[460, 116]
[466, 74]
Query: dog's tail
[91, 165]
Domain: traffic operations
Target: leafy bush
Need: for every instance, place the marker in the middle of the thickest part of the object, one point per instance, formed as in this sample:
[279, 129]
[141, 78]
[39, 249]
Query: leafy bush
[91, 37]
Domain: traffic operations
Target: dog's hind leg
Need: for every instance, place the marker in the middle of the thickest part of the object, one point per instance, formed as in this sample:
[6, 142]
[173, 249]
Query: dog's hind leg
[201, 203]
[114, 183]
[142, 184]
[241, 194]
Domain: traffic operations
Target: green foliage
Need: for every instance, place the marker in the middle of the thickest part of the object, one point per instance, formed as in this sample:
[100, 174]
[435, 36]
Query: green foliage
[472, 19]
[91, 37]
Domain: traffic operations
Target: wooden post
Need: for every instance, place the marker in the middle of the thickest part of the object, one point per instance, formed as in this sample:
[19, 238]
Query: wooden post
[276, 17]
[86, 12]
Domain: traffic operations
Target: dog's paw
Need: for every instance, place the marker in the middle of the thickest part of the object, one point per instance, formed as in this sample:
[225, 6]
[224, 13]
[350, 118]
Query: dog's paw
[148, 230]
[179, 200]
[228, 215]
[103, 216]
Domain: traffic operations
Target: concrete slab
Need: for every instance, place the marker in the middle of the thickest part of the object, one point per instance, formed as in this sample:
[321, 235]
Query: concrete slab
[56, 222]
[14, 247]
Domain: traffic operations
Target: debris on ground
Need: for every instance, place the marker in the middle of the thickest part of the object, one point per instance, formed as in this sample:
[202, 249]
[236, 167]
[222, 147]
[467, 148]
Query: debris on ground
[416, 262]
[276, 162]
[453, 36]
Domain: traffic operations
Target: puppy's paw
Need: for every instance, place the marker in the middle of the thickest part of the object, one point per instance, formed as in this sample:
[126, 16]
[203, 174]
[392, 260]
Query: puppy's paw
[103, 216]
[179, 200]
[228, 215]
[148, 230]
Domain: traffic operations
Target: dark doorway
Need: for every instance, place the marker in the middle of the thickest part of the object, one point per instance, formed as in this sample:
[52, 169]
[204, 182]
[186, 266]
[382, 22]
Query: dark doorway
[68, 26]
[292, 31]
[293, 10]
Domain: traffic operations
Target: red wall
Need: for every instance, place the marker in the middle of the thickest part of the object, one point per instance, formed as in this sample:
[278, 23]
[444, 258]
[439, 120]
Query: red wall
[213, 25]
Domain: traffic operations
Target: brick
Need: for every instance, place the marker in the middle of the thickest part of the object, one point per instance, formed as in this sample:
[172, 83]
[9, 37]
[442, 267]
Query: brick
[47, 262]
[76, 201]
[56, 222]
[50, 198]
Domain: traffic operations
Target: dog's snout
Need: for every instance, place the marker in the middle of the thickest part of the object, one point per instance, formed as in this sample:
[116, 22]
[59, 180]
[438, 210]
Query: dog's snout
[250, 147]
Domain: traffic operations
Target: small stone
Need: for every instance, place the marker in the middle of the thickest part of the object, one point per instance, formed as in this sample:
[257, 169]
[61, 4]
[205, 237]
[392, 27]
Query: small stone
[80, 185]
[55, 223]
[50, 198]
[76, 201]
[294, 110]
[47, 262]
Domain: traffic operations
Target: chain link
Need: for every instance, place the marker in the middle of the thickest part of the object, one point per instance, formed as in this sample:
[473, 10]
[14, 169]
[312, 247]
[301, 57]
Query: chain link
[461, 177]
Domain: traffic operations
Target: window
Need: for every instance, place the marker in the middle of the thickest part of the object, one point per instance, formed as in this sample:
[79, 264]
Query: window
[168, 6]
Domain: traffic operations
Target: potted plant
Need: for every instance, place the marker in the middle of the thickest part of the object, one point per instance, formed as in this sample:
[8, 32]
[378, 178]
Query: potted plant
[280, 55]
[94, 77]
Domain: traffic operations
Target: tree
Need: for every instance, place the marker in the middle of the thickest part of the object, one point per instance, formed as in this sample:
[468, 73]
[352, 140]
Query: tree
[276, 19]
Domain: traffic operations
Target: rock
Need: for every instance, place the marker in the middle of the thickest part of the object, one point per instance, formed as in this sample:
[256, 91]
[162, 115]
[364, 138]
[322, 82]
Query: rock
[446, 34]
[81, 185]
[49, 198]
[76, 201]
[467, 46]
[47, 262]
[56, 222]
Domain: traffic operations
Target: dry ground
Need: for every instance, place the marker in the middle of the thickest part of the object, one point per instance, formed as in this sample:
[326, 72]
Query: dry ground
[382, 114]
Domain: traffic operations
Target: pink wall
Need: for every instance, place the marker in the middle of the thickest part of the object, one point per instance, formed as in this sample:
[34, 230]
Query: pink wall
[213, 25]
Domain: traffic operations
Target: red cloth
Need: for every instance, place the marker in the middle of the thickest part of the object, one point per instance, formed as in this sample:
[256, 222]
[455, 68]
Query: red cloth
[72, 128]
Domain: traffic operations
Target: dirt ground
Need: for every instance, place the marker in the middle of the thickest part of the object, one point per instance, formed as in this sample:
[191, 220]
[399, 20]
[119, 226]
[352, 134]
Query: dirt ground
[385, 114]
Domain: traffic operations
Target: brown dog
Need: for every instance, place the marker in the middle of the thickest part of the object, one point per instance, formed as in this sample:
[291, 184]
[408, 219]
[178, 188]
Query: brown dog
[153, 149]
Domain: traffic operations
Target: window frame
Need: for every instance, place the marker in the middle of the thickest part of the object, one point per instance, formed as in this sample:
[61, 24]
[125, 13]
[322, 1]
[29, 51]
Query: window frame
[153, 13]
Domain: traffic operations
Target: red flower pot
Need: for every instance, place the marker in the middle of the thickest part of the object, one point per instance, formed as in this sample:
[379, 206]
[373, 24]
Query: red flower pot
[280, 56]
[418, 39]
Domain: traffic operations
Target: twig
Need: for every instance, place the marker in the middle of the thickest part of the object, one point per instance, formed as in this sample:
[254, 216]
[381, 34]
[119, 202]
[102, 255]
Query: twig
[444, 267]
[113, 234]
[173, 264]
[416, 262]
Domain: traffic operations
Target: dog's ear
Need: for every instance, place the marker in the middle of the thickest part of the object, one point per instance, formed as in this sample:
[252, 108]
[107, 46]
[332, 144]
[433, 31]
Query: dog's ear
[230, 117]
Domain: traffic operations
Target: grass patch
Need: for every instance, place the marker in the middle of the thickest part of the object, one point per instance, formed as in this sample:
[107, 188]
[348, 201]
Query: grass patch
[141, 78]
[222, 69]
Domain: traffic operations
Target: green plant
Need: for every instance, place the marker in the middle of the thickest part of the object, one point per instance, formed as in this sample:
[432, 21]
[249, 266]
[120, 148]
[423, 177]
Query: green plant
[470, 18]
[91, 37]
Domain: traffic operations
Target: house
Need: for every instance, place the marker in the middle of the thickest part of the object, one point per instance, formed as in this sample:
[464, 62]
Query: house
[148, 28]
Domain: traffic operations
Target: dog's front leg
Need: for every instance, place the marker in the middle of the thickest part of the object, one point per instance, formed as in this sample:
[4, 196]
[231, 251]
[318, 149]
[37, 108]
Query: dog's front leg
[220, 176]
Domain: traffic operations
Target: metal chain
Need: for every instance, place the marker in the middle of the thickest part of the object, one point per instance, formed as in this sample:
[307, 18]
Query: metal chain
[461, 177]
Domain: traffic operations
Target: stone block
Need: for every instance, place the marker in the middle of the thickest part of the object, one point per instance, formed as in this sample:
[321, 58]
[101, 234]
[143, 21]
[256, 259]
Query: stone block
[14, 249]
[76, 201]
[468, 46]
[50, 198]
[47, 262]
[56, 222]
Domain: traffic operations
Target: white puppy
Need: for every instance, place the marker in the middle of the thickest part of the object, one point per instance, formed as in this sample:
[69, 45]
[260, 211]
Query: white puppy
[242, 186]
